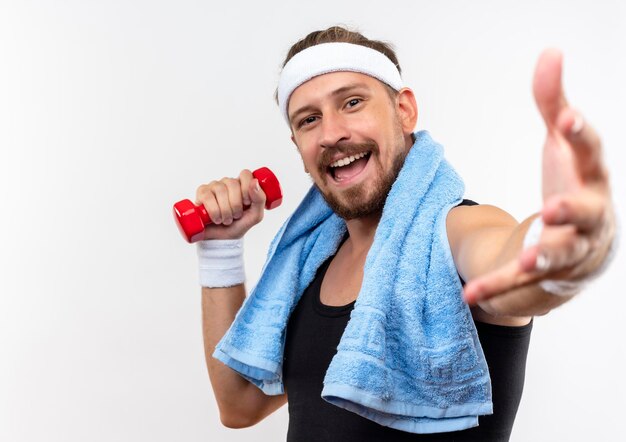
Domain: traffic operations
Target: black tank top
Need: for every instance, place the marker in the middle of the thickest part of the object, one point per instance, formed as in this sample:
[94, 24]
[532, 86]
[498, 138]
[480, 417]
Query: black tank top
[312, 337]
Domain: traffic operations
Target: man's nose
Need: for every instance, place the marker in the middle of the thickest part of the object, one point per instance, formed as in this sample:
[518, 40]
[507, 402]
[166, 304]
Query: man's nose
[334, 130]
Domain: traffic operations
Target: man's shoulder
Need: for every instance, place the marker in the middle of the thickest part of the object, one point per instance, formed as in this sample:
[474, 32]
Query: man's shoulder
[466, 219]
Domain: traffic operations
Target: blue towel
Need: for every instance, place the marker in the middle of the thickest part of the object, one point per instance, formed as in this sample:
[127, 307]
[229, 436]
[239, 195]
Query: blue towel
[409, 357]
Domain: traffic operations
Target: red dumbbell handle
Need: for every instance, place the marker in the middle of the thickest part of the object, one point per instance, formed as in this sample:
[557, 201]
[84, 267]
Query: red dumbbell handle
[191, 219]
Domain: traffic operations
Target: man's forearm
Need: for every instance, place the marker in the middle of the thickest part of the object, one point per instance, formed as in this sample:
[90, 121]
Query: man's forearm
[241, 403]
[219, 307]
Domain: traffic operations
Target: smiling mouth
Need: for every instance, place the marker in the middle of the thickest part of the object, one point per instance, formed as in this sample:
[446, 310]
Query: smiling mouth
[349, 167]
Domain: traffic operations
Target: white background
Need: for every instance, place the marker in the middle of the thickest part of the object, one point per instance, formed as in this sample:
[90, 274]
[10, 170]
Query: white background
[112, 111]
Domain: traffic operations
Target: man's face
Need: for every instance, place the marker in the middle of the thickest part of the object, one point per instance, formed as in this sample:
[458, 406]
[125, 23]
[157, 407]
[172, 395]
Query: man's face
[351, 140]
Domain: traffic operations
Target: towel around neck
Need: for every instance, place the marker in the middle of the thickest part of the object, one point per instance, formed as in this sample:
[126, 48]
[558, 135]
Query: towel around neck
[409, 357]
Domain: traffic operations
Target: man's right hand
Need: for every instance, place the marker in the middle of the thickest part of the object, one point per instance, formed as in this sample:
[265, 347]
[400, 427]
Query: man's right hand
[234, 205]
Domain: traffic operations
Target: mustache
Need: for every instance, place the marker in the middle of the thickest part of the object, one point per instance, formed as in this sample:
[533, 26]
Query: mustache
[347, 149]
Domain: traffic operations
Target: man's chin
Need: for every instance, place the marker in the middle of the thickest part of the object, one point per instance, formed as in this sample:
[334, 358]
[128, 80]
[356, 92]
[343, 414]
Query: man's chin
[355, 203]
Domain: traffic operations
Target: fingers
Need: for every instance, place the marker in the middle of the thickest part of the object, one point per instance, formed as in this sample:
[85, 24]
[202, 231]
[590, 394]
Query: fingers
[505, 278]
[214, 197]
[560, 250]
[585, 209]
[257, 196]
[228, 199]
[585, 142]
[245, 177]
[547, 86]
[558, 116]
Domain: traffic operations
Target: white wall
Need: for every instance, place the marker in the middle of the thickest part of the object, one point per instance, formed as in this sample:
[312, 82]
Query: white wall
[111, 111]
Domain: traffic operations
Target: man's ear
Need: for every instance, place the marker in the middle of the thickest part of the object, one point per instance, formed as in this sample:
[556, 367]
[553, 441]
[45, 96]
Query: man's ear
[293, 140]
[407, 109]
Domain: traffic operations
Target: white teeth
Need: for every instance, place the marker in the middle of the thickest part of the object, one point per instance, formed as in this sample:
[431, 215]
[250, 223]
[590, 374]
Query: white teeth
[348, 160]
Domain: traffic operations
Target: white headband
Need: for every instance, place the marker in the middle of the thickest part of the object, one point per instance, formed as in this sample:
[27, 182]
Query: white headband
[334, 57]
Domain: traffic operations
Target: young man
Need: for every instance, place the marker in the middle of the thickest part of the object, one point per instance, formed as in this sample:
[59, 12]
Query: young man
[352, 120]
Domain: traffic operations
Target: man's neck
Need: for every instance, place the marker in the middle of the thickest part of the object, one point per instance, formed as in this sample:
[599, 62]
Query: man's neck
[362, 231]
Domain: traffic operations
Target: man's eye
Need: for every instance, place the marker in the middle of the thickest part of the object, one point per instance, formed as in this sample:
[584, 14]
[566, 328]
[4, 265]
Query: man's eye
[307, 120]
[353, 102]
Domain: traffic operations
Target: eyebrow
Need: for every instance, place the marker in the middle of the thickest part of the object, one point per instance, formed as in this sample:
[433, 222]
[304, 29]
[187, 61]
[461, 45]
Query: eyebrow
[340, 91]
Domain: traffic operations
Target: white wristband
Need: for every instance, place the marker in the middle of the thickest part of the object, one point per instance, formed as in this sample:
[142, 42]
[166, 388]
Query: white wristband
[221, 262]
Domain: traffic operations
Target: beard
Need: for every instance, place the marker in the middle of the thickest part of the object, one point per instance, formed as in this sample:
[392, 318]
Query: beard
[357, 201]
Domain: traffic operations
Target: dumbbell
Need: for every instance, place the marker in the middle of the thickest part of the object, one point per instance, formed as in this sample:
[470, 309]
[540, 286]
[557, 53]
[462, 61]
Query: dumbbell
[192, 219]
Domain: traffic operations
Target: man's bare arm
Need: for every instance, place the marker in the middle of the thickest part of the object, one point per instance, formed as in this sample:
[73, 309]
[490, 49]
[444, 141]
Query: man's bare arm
[241, 403]
[484, 238]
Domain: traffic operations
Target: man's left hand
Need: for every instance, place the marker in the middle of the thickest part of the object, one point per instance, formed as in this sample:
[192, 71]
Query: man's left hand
[577, 212]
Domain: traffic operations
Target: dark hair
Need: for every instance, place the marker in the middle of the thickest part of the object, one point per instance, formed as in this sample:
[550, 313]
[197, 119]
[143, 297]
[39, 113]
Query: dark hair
[337, 34]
